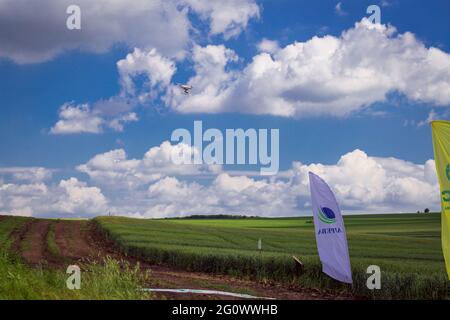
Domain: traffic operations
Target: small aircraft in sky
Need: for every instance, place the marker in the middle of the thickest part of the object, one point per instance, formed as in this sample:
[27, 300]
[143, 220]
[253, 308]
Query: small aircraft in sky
[186, 88]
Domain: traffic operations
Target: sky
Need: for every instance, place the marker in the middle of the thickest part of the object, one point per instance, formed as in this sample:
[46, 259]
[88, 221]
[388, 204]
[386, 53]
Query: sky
[87, 114]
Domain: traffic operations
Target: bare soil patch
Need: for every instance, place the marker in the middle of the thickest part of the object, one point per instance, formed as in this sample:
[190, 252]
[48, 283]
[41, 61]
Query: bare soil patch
[32, 242]
[73, 239]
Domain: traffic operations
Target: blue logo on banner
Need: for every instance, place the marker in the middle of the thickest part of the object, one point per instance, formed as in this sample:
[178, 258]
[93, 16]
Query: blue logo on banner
[327, 215]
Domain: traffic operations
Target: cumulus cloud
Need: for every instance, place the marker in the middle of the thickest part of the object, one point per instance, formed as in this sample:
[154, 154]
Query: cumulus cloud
[20, 199]
[229, 18]
[322, 76]
[36, 31]
[77, 119]
[74, 119]
[76, 197]
[362, 184]
[158, 31]
[158, 70]
[212, 82]
[113, 169]
[67, 198]
[225, 195]
[118, 123]
[170, 195]
[269, 46]
[23, 212]
[115, 112]
[29, 174]
[378, 184]
[154, 187]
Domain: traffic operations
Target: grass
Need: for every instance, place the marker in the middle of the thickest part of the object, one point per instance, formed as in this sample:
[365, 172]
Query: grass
[52, 247]
[406, 247]
[111, 280]
[7, 226]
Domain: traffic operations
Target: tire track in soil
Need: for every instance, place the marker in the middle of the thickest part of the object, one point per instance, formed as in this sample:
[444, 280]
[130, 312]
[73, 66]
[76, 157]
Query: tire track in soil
[73, 239]
[79, 242]
[31, 242]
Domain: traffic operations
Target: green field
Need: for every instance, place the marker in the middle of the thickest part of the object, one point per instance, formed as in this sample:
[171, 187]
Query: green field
[407, 247]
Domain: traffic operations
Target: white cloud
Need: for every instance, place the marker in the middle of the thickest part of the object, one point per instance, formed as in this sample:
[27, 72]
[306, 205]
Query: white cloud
[339, 10]
[36, 31]
[150, 27]
[157, 69]
[24, 189]
[431, 116]
[77, 197]
[362, 184]
[211, 83]
[29, 174]
[376, 184]
[74, 119]
[225, 195]
[154, 187]
[118, 123]
[23, 212]
[69, 197]
[114, 170]
[269, 46]
[169, 195]
[115, 106]
[21, 199]
[323, 76]
[141, 23]
[115, 111]
[77, 119]
[229, 18]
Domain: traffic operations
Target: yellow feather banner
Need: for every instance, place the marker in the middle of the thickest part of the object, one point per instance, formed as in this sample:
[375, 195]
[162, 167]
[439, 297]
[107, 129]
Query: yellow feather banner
[441, 144]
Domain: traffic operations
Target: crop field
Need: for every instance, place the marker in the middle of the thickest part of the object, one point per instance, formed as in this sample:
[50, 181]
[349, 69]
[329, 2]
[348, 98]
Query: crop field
[406, 247]
[217, 253]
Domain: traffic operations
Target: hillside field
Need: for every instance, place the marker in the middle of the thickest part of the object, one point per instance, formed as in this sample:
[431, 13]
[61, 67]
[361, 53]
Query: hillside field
[121, 255]
[407, 248]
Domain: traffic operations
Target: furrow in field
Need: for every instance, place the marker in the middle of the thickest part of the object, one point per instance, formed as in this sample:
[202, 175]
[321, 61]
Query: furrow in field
[73, 240]
[31, 243]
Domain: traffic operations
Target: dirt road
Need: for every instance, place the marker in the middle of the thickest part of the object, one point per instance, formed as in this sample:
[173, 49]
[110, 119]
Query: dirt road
[59, 243]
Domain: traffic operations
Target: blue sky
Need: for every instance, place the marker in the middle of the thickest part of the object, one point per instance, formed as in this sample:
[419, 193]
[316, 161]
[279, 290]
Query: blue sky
[34, 89]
